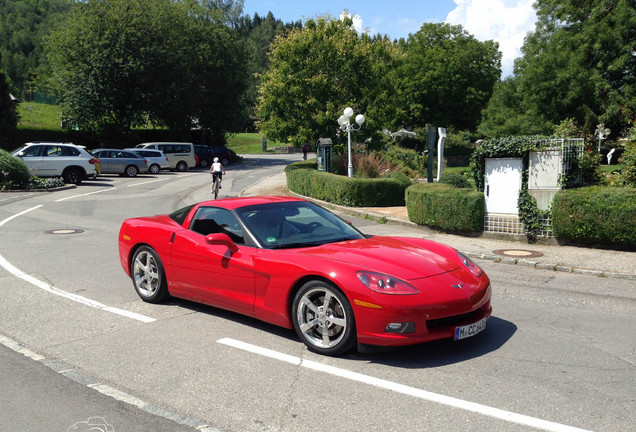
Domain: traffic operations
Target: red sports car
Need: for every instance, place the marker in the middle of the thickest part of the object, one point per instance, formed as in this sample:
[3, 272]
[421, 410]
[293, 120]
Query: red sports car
[292, 263]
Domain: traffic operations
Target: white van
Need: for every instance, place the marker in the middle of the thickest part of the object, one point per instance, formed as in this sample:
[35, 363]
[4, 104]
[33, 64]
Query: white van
[180, 154]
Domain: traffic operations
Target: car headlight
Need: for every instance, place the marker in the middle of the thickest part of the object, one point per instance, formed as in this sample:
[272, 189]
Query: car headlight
[474, 268]
[385, 284]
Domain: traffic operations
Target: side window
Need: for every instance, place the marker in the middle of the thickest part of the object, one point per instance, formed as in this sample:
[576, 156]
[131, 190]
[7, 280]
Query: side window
[33, 151]
[54, 151]
[70, 151]
[212, 220]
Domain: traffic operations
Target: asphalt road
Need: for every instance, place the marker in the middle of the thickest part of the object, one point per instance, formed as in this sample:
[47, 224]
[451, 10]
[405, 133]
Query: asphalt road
[558, 354]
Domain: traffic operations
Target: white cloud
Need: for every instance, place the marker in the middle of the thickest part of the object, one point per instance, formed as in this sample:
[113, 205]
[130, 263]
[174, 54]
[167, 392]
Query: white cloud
[504, 21]
[357, 20]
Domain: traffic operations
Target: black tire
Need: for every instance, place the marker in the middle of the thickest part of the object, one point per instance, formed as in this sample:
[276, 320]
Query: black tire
[225, 161]
[131, 171]
[182, 166]
[148, 276]
[73, 175]
[154, 169]
[204, 163]
[323, 318]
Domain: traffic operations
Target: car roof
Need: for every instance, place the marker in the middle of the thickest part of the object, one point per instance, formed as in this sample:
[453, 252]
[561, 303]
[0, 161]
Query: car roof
[51, 143]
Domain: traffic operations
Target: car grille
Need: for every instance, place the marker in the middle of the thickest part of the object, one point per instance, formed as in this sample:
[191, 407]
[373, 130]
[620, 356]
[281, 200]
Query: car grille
[455, 320]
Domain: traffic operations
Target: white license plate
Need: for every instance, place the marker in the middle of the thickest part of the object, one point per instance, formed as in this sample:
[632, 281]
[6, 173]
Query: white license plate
[469, 330]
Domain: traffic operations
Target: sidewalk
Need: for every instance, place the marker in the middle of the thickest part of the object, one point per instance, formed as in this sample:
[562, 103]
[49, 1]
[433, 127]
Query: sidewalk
[600, 262]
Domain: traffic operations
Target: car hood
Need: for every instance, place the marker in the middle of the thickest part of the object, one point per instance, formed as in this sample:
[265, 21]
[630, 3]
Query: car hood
[390, 255]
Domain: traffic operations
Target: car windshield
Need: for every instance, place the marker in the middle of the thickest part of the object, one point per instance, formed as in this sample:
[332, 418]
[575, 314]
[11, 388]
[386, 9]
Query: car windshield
[295, 224]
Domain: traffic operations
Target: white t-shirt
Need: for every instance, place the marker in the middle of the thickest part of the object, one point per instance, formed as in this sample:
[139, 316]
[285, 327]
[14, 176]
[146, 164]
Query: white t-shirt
[217, 167]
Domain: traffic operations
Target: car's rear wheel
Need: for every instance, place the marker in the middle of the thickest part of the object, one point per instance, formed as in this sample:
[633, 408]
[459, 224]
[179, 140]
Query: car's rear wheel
[73, 175]
[182, 166]
[323, 318]
[131, 171]
[154, 169]
[204, 163]
[148, 276]
[225, 161]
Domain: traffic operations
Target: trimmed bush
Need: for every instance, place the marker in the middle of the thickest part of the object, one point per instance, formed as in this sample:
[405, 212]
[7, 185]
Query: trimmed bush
[455, 179]
[12, 169]
[596, 216]
[445, 207]
[304, 179]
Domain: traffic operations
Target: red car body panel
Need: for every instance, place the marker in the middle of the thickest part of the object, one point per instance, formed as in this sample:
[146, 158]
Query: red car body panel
[262, 282]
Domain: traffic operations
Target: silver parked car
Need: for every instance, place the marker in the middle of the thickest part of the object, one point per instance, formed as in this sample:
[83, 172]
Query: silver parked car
[122, 162]
[157, 160]
[48, 159]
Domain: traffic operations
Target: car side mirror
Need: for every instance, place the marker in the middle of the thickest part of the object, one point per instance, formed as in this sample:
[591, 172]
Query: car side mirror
[221, 240]
[20, 154]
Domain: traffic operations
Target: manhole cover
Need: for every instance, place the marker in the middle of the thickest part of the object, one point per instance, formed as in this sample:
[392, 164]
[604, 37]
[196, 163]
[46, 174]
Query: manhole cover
[518, 253]
[65, 231]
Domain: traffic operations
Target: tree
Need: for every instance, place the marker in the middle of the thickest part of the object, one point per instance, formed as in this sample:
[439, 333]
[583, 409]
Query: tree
[259, 33]
[319, 70]
[506, 114]
[121, 63]
[447, 76]
[8, 116]
[579, 63]
[23, 25]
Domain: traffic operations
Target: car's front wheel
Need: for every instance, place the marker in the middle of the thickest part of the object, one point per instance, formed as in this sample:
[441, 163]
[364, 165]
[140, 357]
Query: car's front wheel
[131, 171]
[148, 276]
[323, 318]
[73, 175]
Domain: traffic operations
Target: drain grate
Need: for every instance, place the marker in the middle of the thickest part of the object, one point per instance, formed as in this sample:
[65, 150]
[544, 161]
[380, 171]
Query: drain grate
[64, 231]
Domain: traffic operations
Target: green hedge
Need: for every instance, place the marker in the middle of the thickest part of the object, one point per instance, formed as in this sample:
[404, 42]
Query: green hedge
[304, 179]
[446, 207]
[596, 215]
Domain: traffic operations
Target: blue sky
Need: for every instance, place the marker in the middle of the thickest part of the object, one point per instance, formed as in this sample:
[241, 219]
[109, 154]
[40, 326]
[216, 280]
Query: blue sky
[505, 21]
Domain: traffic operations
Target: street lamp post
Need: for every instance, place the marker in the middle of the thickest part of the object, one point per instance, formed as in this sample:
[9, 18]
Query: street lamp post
[345, 124]
[602, 133]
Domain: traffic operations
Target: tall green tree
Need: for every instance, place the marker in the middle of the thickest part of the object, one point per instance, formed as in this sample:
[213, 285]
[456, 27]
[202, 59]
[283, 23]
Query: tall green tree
[447, 76]
[258, 33]
[578, 63]
[8, 116]
[121, 63]
[23, 26]
[319, 70]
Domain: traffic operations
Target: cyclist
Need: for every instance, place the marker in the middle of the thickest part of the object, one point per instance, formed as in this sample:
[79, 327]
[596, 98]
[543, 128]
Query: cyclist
[217, 170]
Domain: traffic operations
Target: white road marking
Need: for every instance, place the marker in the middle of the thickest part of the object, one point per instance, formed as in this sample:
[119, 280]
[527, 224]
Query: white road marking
[107, 390]
[86, 194]
[406, 390]
[51, 289]
[19, 214]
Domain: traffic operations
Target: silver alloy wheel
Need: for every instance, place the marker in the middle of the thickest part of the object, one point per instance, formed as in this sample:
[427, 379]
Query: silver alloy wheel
[154, 169]
[322, 318]
[146, 274]
[131, 171]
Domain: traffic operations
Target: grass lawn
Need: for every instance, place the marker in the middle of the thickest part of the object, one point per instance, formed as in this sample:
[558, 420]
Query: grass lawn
[249, 143]
[40, 116]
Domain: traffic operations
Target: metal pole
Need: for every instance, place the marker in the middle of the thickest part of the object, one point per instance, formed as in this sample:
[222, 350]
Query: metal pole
[350, 164]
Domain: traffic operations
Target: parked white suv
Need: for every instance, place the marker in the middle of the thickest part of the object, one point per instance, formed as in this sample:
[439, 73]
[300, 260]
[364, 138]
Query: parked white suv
[47, 159]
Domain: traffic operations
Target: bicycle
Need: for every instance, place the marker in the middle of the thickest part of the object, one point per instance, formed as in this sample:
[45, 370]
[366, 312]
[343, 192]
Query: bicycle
[215, 188]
